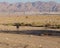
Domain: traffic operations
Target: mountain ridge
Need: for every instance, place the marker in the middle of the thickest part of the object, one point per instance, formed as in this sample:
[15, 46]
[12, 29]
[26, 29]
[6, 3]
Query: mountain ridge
[37, 6]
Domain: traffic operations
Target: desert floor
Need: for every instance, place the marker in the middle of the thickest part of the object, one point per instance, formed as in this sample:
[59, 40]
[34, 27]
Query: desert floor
[10, 40]
[28, 41]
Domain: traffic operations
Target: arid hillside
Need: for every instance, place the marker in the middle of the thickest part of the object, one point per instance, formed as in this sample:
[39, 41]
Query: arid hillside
[37, 6]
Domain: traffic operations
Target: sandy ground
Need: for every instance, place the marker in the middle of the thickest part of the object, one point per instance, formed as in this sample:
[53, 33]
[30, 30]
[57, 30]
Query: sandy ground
[9, 40]
[28, 41]
[2, 27]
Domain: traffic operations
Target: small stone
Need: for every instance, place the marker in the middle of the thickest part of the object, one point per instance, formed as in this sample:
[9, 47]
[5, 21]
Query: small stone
[7, 38]
[40, 46]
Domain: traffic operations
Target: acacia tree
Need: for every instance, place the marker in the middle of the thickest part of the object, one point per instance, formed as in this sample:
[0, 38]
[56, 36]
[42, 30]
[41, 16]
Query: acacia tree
[17, 25]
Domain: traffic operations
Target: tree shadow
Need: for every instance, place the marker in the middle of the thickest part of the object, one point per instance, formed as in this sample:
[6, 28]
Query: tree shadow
[33, 32]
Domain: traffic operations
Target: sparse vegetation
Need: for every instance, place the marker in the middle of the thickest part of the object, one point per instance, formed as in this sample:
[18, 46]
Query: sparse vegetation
[51, 21]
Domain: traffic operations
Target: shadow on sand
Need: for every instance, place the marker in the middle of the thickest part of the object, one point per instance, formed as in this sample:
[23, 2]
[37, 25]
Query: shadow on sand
[33, 32]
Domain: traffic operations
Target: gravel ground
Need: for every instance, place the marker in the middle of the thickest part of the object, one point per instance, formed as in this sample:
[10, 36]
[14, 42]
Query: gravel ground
[28, 41]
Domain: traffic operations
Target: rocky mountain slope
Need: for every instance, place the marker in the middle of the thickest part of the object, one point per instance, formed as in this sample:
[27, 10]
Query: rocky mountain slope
[37, 6]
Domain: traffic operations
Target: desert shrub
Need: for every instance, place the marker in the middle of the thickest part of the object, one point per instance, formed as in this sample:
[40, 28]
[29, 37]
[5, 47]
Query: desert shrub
[5, 24]
[58, 26]
[47, 25]
[22, 24]
[8, 24]
[37, 24]
[33, 24]
[16, 24]
[28, 24]
[54, 26]
[26, 17]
